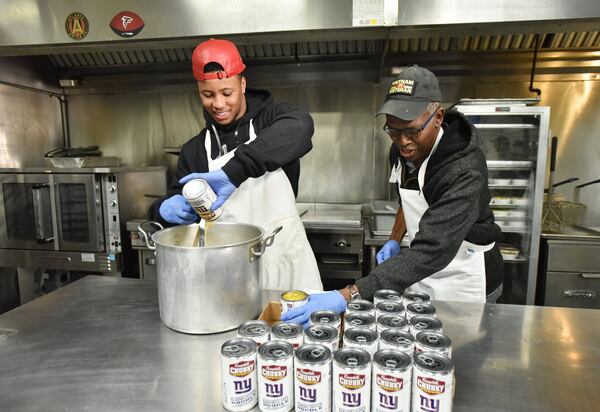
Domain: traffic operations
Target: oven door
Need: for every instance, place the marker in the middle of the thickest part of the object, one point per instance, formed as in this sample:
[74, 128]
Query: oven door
[26, 212]
[78, 204]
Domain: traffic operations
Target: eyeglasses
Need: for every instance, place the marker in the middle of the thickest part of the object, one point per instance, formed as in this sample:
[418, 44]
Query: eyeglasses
[408, 132]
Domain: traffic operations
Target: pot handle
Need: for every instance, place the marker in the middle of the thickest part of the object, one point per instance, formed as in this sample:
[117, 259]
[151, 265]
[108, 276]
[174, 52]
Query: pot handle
[258, 249]
[148, 238]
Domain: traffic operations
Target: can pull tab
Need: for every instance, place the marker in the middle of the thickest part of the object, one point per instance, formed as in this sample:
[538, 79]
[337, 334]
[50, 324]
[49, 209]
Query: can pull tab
[391, 363]
[361, 339]
[352, 361]
[317, 332]
[278, 353]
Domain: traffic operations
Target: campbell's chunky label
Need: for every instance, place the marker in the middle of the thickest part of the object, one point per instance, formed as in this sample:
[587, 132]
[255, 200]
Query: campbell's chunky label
[430, 386]
[274, 372]
[241, 369]
[308, 377]
[389, 383]
[352, 380]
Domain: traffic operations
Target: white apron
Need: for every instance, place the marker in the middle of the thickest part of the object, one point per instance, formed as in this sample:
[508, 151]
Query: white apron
[464, 278]
[268, 201]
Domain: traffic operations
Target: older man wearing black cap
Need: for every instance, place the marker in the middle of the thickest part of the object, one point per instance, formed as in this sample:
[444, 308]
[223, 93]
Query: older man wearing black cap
[441, 175]
[249, 152]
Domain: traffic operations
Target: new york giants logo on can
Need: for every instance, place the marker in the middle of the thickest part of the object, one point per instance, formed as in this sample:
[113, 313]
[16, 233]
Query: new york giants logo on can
[274, 390]
[242, 386]
[308, 394]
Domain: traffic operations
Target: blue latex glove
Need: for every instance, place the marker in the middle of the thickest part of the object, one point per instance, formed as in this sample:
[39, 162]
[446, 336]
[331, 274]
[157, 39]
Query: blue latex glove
[390, 249]
[319, 301]
[220, 183]
[177, 210]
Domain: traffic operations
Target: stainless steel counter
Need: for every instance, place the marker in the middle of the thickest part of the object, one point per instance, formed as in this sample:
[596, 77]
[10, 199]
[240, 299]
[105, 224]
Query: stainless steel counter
[98, 344]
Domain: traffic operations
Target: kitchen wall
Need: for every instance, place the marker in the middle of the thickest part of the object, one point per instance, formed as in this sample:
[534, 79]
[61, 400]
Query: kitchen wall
[30, 122]
[348, 163]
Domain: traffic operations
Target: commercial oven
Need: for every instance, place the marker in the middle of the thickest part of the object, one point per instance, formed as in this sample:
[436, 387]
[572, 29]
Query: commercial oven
[72, 219]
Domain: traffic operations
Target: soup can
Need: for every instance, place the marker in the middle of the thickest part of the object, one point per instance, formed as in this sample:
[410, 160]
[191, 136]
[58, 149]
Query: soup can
[388, 307]
[275, 365]
[360, 306]
[326, 317]
[391, 321]
[392, 381]
[387, 294]
[361, 338]
[433, 382]
[238, 374]
[351, 380]
[292, 299]
[325, 335]
[359, 320]
[200, 196]
[433, 342]
[417, 309]
[397, 339]
[424, 324]
[415, 297]
[257, 330]
[292, 333]
[312, 384]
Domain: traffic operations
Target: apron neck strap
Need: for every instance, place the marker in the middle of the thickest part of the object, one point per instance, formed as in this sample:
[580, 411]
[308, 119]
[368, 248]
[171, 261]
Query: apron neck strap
[423, 167]
[222, 148]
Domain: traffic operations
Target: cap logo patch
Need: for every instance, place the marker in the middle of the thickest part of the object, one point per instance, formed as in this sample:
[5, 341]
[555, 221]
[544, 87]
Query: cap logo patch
[403, 86]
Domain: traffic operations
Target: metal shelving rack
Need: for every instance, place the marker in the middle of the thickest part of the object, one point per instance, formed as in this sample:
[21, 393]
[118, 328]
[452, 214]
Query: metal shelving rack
[515, 142]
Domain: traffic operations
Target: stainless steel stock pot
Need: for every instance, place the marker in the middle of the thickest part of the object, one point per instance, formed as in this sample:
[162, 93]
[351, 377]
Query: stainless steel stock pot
[211, 288]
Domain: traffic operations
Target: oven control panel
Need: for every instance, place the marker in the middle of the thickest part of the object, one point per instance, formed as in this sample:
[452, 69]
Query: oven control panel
[111, 207]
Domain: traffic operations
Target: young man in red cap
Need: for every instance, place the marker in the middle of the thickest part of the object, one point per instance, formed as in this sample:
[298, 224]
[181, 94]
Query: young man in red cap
[441, 175]
[249, 153]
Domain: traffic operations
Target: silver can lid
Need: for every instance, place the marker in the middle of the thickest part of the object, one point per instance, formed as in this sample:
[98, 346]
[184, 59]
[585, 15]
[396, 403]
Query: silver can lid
[388, 294]
[388, 306]
[275, 350]
[238, 348]
[324, 316]
[361, 336]
[359, 319]
[391, 360]
[313, 354]
[194, 188]
[433, 362]
[416, 297]
[360, 305]
[397, 337]
[421, 308]
[254, 328]
[434, 340]
[425, 323]
[322, 333]
[392, 321]
[352, 358]
[287, 330]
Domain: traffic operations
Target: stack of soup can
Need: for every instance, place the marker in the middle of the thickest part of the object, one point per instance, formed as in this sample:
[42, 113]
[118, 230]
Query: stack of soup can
[390, 364]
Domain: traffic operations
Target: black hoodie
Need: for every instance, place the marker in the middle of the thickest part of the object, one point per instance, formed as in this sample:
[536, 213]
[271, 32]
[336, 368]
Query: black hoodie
[457, 192]
[283, 132]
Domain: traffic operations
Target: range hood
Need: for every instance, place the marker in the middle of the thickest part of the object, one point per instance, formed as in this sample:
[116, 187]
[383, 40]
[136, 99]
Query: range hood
[293, 31]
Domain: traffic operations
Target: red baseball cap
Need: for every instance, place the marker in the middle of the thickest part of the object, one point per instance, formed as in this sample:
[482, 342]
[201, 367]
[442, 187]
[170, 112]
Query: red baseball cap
[223, 52]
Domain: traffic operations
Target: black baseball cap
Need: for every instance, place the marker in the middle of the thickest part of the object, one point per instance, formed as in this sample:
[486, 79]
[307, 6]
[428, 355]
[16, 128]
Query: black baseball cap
[410, 93]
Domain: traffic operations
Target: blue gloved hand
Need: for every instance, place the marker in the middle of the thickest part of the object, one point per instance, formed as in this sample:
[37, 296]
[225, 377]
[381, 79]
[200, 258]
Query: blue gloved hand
[390, 249]
[177, 210]
[218, 180]
[319, 301]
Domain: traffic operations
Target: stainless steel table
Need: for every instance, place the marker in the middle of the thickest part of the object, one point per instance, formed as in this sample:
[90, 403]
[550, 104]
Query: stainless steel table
[98, 345]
